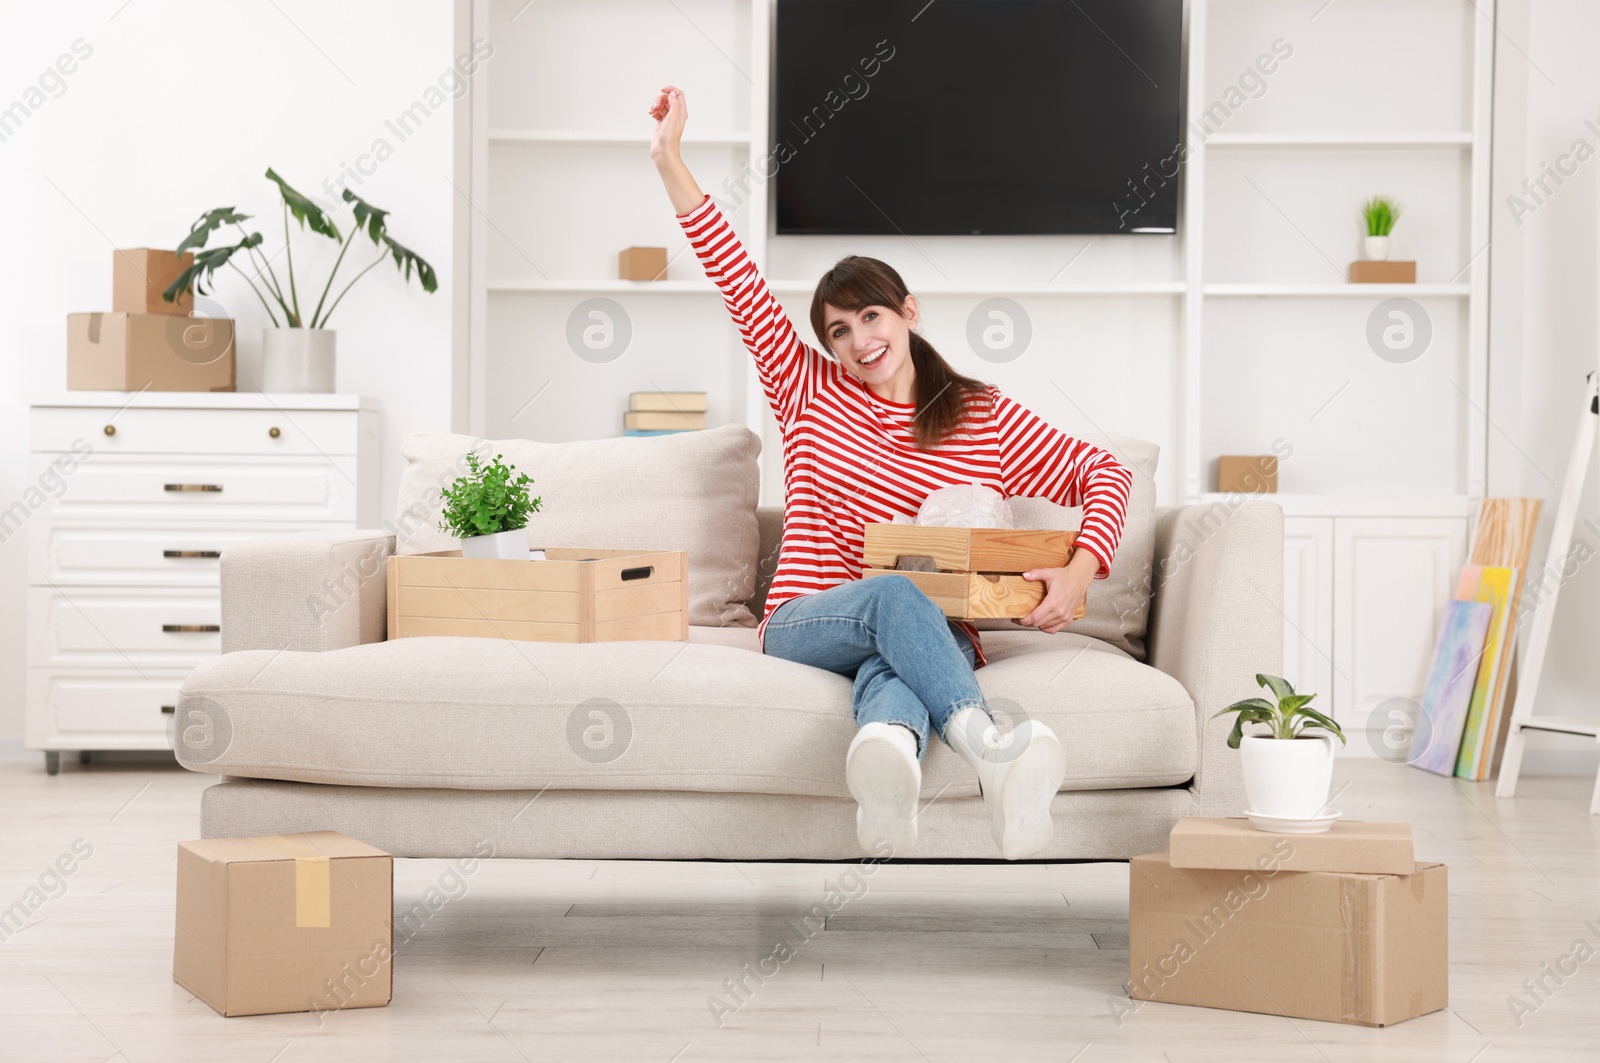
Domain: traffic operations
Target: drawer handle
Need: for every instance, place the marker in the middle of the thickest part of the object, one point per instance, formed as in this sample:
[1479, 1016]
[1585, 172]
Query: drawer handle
[111, 429]
[193, 487]
[274, 432]
[168, 710]
[191, 627]
[642, 572]
[191, 553]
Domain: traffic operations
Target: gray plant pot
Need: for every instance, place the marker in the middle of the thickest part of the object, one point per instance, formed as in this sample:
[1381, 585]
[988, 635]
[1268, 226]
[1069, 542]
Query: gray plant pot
[297, 359]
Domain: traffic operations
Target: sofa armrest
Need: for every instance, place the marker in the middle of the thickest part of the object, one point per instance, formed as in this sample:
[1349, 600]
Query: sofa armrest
[319, 590]
[1216, 619]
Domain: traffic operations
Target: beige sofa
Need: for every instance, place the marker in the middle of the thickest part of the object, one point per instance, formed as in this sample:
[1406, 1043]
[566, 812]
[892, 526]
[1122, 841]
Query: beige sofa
[705, 749]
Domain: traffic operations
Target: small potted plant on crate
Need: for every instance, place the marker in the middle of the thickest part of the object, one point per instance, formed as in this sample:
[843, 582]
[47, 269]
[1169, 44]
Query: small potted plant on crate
[1289, 767]
[1380, 214]
[488, 510]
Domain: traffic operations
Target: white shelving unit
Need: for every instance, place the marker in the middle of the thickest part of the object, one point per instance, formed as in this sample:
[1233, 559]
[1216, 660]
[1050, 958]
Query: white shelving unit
[727, 46]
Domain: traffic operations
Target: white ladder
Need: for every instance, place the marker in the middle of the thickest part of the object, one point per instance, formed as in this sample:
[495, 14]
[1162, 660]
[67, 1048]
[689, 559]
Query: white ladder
[1522, 718]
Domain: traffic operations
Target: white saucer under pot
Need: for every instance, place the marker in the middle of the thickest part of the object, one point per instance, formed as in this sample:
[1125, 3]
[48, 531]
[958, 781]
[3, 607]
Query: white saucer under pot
[1292, 824]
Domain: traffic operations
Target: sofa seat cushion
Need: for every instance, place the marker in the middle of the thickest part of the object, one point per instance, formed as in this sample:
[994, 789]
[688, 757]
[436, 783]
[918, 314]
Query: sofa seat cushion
[706, 715]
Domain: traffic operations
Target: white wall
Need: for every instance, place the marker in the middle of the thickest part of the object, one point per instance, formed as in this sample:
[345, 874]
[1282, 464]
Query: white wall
[180, 107]
[1543, 336]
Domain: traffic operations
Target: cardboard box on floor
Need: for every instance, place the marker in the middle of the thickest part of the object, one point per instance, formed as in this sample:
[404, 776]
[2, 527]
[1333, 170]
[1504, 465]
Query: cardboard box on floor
[1350, 845]
[162, 352]
[1370, 950]
[296, 922]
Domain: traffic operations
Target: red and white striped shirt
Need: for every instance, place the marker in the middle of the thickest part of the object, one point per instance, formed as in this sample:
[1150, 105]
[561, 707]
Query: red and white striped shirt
[849, 457]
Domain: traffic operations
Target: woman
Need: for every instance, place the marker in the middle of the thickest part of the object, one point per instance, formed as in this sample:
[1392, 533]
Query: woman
[867, 435]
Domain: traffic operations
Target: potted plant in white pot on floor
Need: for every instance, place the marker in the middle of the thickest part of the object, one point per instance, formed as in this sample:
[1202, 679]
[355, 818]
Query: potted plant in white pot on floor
[1289, 766]
[297, 352]
[487, 509]
[1380, 213]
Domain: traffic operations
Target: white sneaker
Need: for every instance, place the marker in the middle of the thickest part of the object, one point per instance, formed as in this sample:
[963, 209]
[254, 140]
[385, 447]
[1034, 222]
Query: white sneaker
[1018, 773]
[884, 777]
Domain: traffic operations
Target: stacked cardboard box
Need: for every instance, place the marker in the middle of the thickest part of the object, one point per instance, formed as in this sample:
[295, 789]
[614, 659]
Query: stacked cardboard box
[145, 341]
[1344, 926]
[659, 413]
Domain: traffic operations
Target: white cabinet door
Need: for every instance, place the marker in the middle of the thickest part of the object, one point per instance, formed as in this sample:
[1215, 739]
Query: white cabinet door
[102, 708]
[1308, 607]
[123, 627]
[153, 553]
[1392, 578]
[119, 488]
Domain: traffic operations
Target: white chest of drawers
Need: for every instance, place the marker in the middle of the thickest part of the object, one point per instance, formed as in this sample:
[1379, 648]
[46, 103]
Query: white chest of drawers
[133, 499]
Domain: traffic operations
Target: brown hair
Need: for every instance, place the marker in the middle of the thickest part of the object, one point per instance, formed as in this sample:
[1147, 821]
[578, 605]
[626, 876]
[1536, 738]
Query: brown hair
[855, 283]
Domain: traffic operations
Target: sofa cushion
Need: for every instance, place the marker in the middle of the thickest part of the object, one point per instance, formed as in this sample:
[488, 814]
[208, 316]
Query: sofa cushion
[1117, 608]
[692, 491]
[706, 715]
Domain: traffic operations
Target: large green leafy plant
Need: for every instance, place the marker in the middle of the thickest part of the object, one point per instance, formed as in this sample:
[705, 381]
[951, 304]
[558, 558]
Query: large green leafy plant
[368, 219]
[1287, 716]
[487, 500]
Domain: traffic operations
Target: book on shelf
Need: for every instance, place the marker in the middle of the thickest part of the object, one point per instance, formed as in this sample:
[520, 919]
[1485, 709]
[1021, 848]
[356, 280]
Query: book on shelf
[662, 419]
[654, 431]
[667, 402]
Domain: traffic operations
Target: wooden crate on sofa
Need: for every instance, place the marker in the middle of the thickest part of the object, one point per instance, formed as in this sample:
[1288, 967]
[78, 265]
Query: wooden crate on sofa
[572, 596]
[978, 575]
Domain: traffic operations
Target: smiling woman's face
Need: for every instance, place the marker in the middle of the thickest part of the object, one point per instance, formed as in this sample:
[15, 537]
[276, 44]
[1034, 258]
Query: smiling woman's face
[873, 343]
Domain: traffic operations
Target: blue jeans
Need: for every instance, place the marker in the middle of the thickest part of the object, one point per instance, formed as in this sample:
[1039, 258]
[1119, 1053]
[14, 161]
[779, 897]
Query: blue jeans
[911, 665]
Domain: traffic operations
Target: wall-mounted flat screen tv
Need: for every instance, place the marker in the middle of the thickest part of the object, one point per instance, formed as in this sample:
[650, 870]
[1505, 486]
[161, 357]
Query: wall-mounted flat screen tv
[976, 116]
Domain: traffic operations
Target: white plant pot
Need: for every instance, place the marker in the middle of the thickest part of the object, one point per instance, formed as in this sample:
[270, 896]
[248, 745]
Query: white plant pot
[508, 544]
[1375, 248]
[1288, 777]
[297, 359]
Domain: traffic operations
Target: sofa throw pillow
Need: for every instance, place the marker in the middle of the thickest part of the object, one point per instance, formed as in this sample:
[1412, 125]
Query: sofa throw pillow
[691, 491]
[1117, 608]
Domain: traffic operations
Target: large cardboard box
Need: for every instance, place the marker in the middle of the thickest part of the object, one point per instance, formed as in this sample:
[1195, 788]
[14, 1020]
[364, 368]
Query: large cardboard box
[1349, 845]
[571, 596]
[970, 573]
[297, 922]
[139, 276]
[162, 352]
[1371, 950]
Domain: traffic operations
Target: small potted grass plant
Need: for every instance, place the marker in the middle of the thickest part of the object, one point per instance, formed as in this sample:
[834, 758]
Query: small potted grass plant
[487, 509]
[1380, 213]
[1288, 766]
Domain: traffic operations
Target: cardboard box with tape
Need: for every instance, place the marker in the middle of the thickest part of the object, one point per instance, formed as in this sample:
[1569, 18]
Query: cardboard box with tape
[1367, 949]
[161, 352]
[295, 922]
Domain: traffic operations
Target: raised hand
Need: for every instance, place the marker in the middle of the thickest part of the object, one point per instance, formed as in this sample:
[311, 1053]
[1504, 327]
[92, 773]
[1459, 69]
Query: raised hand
[670, 110]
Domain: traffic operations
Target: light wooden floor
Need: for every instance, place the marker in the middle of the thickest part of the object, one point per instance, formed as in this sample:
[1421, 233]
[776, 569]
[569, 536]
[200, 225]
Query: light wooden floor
[615, 961]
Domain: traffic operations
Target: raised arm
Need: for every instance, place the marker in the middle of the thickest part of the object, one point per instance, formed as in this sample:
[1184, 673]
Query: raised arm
[790, 370]
[1038, 460]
